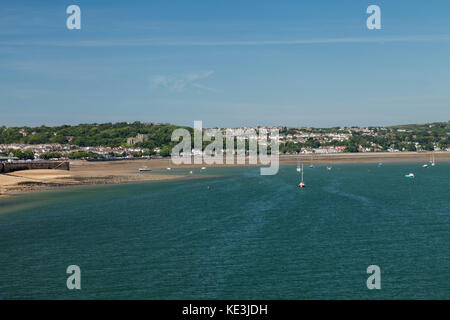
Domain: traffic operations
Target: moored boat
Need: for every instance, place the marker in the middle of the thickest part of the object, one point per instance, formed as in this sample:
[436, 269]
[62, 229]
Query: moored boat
[302, 184]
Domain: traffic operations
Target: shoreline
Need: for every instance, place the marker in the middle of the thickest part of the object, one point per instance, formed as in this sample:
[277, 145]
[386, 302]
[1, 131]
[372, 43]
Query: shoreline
[368, 157]
[84, 173]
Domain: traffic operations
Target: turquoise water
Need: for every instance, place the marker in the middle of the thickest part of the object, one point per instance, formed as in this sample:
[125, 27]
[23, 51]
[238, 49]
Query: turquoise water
[245, 237]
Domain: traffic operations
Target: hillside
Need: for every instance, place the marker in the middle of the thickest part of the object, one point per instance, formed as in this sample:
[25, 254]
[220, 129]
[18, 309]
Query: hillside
[107, 134]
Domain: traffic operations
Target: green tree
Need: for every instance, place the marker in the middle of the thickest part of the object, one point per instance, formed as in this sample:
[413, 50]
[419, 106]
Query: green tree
[165, 151]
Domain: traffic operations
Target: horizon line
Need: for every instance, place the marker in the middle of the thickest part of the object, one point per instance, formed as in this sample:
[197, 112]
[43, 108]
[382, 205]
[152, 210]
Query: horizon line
[220, 127]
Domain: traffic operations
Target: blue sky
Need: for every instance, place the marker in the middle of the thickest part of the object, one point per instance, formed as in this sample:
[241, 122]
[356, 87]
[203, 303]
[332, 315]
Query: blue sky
[228, 63]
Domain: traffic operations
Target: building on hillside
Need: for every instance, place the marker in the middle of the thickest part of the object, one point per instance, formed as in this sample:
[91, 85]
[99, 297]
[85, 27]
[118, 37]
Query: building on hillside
[139, 138]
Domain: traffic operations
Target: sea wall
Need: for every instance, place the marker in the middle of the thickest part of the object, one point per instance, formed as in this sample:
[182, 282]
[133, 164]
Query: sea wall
[6, 167]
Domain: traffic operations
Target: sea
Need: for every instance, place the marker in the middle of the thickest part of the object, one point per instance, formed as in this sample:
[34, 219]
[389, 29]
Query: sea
[231, 233]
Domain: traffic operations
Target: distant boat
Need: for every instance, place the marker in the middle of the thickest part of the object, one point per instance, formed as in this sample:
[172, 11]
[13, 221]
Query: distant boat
[425, 166]
[432, 160]
[410, 175]
[329, 167]
[380, 164]
[143, 169]
[203, 168]
[312, 159]
[169, 168]
[302, 183]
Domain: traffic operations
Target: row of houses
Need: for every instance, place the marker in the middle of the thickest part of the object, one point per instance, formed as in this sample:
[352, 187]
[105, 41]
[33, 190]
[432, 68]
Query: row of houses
[64, 149]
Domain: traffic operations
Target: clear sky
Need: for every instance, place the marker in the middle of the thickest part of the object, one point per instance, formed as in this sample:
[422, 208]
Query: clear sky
[226, 62]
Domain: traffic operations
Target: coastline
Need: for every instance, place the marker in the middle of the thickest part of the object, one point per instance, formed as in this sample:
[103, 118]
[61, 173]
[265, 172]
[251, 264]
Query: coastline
[126, 171]
[367, 157]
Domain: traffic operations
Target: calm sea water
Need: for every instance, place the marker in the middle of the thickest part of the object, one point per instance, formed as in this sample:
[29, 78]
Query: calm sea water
[237, 235]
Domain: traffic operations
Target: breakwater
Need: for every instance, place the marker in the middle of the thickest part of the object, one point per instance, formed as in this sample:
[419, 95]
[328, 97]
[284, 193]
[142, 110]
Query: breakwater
[6, 167]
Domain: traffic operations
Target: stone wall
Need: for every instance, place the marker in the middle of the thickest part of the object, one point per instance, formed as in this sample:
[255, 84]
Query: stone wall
[6, 167]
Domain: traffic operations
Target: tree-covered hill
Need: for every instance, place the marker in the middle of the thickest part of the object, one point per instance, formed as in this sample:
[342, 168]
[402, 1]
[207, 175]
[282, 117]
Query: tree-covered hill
[107, 134]
[412, 137]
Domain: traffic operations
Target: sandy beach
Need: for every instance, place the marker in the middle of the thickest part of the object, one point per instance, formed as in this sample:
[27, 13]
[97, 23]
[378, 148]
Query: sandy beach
[126, 171]
[81, 173]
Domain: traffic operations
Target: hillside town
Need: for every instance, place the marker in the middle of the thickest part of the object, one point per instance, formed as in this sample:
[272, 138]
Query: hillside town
[305, 140]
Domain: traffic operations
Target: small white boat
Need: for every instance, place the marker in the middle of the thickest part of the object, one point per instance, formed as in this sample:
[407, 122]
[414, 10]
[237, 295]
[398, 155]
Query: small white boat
[169, 168]
[301, 185]
[203, 168]
[312, 159]
[410, 175]
[425, 166]
[143, 169]
[432, 161]
[328, 168]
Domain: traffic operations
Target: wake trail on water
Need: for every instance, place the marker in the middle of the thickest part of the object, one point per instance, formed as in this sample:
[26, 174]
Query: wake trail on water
[336, 188]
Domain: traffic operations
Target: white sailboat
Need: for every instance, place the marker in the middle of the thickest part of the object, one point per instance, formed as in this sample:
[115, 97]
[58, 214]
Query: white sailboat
[299, 169]
[431, 162]
[302, 183]
[311, 165]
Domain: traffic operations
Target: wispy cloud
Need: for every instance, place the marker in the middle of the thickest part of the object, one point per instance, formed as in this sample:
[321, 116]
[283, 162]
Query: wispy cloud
[190, 43]
[181, 82]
